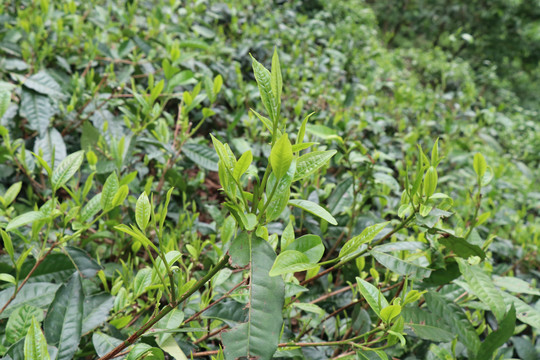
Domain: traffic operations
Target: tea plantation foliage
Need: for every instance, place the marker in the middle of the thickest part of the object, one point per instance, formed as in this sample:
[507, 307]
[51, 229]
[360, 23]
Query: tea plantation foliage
[243, 179]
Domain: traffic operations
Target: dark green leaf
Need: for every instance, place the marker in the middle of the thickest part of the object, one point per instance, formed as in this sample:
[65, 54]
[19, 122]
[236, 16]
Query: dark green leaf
[20, 321]
[96, 310]
[63, 324]
[35, 294]
[498, 337]
[462, 247]
[260, 335]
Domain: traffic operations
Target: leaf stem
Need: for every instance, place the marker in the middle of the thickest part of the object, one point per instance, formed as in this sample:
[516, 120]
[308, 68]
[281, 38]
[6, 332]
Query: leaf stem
[168, 308]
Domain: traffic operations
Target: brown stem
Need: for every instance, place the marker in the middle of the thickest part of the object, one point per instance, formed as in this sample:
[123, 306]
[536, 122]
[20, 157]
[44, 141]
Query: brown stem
[197, 314]
[38, 262]
[131, 340]
[209, 335]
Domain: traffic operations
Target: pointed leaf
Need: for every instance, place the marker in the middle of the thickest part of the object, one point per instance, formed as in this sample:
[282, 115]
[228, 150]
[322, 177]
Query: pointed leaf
[142, 211]
[24, 219]
[37, 109]
[263, 78]
[483, 287]
[63, 324]
[201, 155]
[281, 156]
[401, 267]
[366, 236]
[498, 337]
[373, 296]
[38, 294]
[258, 338]
[110, 188]
[20, 321]
[309, 245]
[66, 169]
[309, 163]
[35, 346]
[314, 209]
[290, 261]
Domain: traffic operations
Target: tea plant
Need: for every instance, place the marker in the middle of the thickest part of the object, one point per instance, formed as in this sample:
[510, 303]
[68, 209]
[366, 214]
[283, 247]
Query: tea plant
[358, 200]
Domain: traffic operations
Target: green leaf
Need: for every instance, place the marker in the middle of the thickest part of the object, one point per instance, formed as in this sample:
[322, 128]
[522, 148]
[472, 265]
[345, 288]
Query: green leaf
[282, 193]
[37, 109]
[8, 278]
[483, 287]
[498, 337]
[242, 165]
[66, 169]
[91, 208]
[5, 100]
[11, 193]
[525, 313]
[104, 343]
[309, 163]
[201, 155]
[390, 312]
[51, 143]
[142, 281]
[290, 261]
[96, 310]
[302, 130]
[461, 247]
[35, 346]
[314, 209]
[479, 165]
[401, 267]
[309, 245]
[266, 122]
[20, 321]
[110, 188]
[138, 351]
[239, 250]
[454, 317]
[277, 82]
[35, 294]
[8, 244]
[263, 78]
[142, 211]
[84, 263]
[353, 245]
[430, 181]
[43, 83]
[431, 333]
[120, 196]
[373, 296]
[63, 324]
[323, 132]
[24, 219]
[171, 321]
[514, 284]
[258, 338]
[342, 197]
[281, 156]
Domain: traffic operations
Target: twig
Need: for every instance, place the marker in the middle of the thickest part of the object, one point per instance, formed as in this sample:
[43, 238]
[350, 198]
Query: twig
[38, 262]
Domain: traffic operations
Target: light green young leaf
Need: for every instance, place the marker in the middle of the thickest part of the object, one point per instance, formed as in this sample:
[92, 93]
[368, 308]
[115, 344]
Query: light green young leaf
[290, 261]
[263, 78]
[282, 193]
[8, 244]
[435, 154]
[281, 156]
[266, 122]
[479, 165]
[66, 169]
[309, 245]
[7, 278]
[11, 193]
[314, 209]
[5, 100]
[142, 281]
[91, 208]
[366, 236]
[390, 312]
[242, 165]
[373, 296]
[35, 345]
[142, 211]
[110, 188]
[302, 130]
[430, 181]
[309, 163]
[120, 196]
[277, 83]
[25, 218]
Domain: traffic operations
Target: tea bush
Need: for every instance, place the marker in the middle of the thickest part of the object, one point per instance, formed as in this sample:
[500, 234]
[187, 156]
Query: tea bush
[255, 180]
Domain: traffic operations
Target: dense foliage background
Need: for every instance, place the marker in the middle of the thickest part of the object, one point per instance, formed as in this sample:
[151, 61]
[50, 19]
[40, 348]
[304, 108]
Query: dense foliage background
[139, 87]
